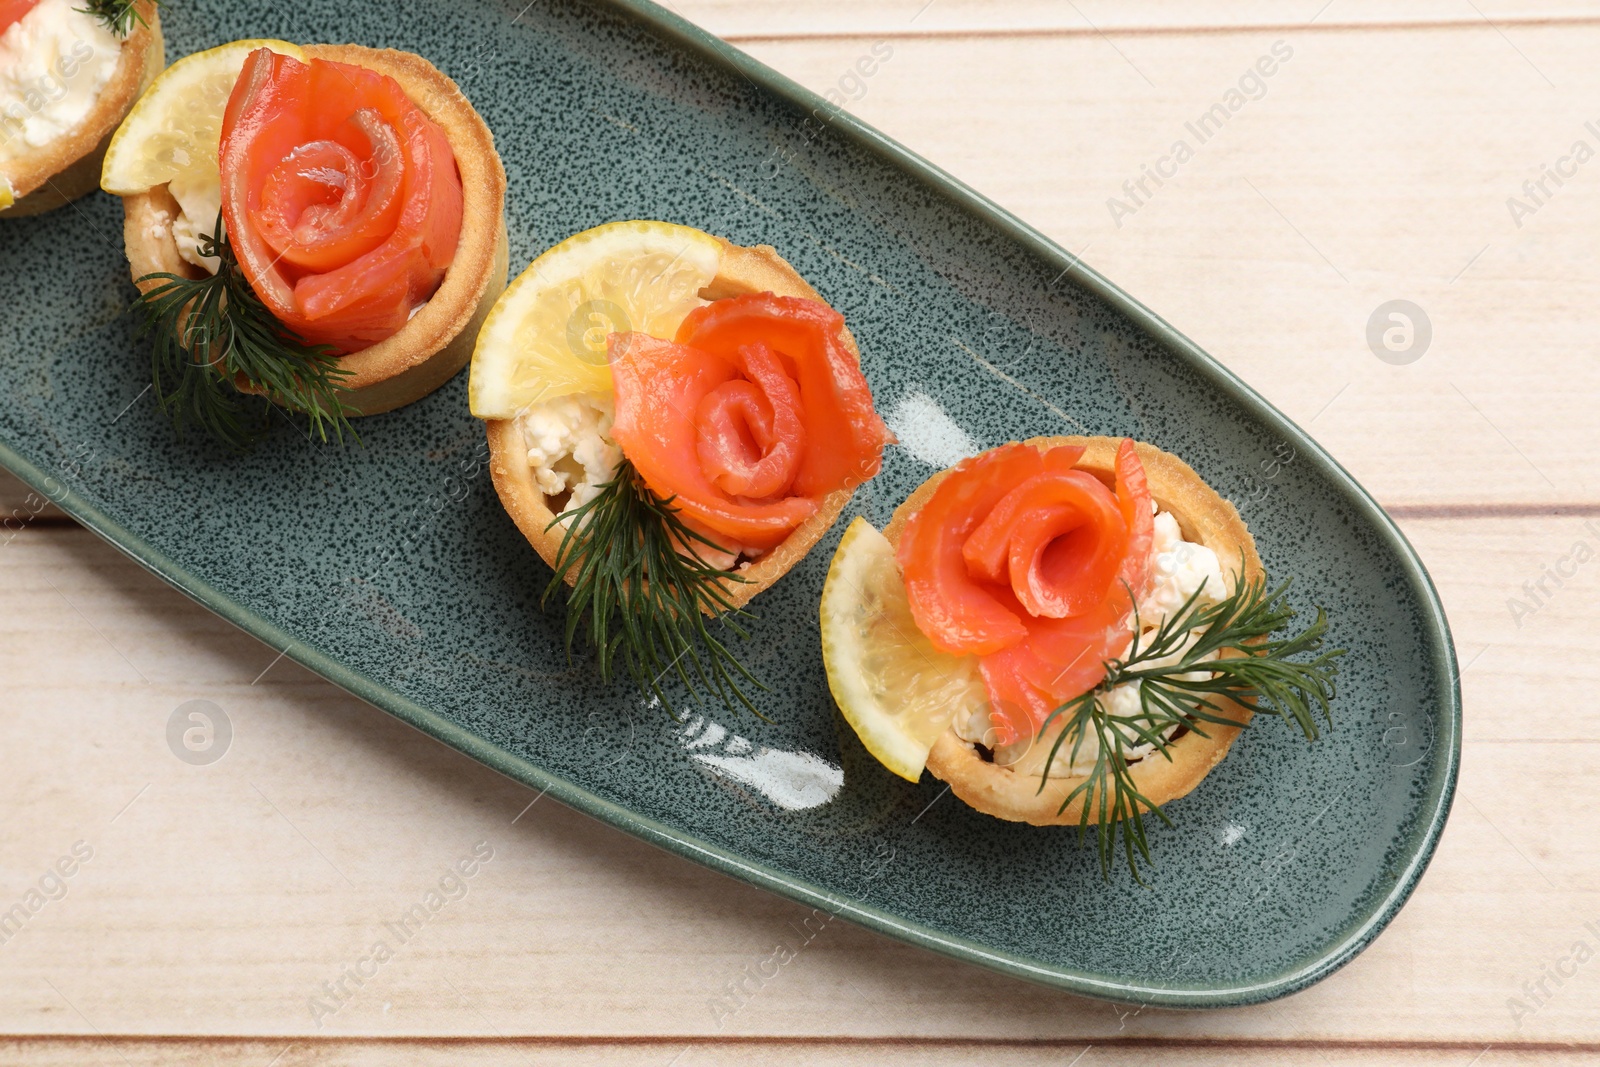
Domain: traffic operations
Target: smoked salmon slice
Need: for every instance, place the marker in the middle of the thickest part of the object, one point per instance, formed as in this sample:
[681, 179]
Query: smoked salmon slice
[1029, 564]
[1133, 497]
[341, 198]
[1058, 540]
[845, 435]
[961, 613]
[664, 393]
[13, 10]
[749, 418]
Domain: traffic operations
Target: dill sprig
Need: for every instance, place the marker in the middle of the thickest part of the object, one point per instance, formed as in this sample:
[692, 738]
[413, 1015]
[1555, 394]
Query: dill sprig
[1231, 649]
[213, 337]
[118, 15]
[648, 605]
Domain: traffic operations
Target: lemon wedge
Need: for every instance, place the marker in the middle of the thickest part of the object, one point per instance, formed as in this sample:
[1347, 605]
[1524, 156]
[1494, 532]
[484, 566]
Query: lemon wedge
[546, 336]
[172, 133]
[896, 690]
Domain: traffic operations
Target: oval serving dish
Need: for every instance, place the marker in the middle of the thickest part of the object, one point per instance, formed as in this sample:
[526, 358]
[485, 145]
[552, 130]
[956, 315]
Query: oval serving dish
[410, 587]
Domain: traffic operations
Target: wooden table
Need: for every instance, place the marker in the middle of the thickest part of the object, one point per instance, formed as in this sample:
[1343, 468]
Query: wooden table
[1374, 164]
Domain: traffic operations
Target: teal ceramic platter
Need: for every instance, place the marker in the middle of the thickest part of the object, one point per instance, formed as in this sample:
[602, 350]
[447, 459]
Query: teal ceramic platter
[392, 570]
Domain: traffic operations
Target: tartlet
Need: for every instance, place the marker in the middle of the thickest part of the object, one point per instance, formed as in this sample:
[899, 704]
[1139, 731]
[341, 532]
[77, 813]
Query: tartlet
[1204, 517]
[757, 269]
[68, 167]
[437, 341]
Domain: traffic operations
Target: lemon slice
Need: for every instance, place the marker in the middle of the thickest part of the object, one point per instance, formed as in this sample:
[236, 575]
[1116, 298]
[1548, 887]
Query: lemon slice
[896, 690]
[172, 133]
[546, 336]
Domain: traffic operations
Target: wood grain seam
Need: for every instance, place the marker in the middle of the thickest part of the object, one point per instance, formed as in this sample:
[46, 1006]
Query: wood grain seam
[46, 522]
[1530, 740]
[906, 33]
[1510, 510]
[734, 1041]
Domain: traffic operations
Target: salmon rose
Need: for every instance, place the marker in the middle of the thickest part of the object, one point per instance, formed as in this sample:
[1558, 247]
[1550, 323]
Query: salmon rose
[341, 198]
[1028, 563]
[753, 414]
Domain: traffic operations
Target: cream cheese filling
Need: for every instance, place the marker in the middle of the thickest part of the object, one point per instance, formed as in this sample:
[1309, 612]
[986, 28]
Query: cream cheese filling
[570, 450]
[54, 63]
[199, 205]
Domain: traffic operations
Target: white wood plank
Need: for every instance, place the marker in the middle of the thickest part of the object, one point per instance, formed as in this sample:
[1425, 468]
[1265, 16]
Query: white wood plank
[1376, 166]
[424, 1053]
[1523, 633]
[219, 898]
[762, 19]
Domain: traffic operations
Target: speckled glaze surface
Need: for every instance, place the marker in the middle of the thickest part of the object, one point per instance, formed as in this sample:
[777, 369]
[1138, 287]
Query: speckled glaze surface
[392, 570]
